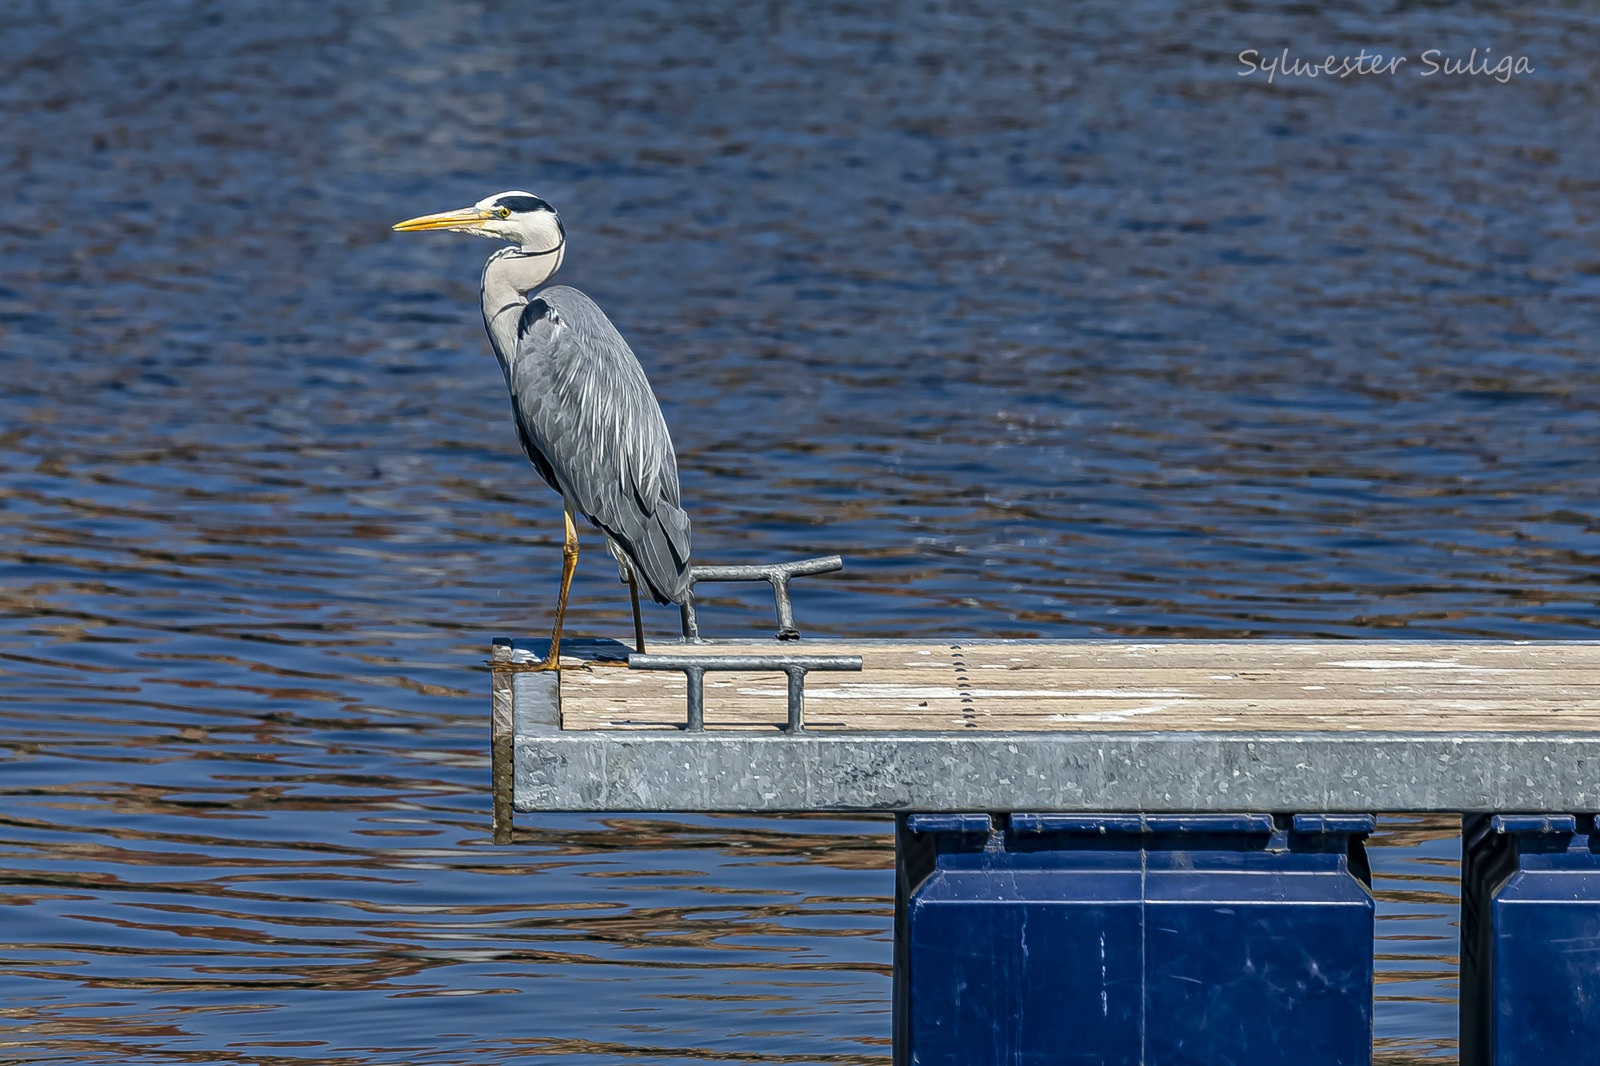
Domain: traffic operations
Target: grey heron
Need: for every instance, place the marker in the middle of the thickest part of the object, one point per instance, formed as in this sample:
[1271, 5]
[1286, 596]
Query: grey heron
[583, 410]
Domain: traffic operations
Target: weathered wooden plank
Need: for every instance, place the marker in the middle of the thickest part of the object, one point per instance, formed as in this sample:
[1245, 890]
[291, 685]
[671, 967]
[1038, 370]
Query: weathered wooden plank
[1313, 686]
[820, 721]
[1362, 654]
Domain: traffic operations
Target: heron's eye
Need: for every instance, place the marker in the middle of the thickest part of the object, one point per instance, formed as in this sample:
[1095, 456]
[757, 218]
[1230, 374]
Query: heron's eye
[503, 212]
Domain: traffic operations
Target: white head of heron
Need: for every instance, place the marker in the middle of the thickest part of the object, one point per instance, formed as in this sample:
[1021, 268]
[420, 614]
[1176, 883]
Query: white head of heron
[516, 216]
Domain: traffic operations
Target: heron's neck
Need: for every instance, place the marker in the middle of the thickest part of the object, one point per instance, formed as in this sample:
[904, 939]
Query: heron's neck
[510, 274]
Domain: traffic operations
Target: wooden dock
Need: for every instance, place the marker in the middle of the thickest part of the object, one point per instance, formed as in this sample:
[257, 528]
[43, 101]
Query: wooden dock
[923, 687]
[1069, 726]
[1107, 756]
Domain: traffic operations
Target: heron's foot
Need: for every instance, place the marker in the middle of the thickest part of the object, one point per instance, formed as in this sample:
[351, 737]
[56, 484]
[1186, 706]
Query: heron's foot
[550, 662]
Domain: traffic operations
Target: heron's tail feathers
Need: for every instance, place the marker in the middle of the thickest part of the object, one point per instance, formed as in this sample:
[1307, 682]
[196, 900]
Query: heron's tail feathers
[660, 552]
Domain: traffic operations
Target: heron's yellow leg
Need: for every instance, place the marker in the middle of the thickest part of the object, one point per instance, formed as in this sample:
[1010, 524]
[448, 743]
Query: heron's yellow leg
[569, 563]
[638, 623]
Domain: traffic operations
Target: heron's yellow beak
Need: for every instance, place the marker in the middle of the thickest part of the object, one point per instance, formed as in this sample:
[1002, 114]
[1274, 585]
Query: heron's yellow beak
[466, 218]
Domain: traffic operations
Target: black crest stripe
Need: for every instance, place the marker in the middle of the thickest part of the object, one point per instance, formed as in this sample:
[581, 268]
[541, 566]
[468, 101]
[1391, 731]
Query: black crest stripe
[523, 204]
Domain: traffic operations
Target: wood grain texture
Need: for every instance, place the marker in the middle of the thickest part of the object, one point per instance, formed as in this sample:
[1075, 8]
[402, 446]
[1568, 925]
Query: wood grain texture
[1336, 686]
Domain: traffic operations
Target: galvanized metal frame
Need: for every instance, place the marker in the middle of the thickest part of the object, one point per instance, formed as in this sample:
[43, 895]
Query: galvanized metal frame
[1055, 772]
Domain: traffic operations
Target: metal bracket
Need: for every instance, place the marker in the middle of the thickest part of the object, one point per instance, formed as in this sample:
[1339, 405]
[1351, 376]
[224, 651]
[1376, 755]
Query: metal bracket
[777, 574]
[694, 668]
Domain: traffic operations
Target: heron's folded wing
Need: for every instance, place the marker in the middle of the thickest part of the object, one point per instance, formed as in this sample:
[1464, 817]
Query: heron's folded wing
[583, 402]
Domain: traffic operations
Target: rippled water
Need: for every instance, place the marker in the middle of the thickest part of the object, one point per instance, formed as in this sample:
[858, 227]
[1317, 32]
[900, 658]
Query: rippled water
[1043, 316]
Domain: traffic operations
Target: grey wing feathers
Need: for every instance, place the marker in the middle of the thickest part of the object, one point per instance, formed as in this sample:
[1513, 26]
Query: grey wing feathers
[592, 427]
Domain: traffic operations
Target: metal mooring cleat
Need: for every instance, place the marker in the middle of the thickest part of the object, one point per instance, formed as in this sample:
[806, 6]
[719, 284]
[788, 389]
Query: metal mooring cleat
[777, 574]
[796, 667]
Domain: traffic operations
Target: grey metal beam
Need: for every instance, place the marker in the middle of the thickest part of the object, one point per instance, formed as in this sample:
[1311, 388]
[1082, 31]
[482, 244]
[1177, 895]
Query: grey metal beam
[1122, 771]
